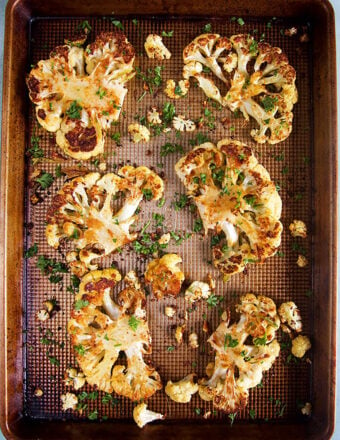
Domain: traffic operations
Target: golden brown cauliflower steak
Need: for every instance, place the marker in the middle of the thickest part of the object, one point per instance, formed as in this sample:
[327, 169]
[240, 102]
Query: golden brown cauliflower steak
[100, 329]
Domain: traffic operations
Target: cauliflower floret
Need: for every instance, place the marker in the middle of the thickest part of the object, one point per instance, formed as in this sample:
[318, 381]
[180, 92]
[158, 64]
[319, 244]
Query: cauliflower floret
[82, 212]
[300, 345]
[236, 199]
[42, 315]
[78, 93]
[153, 116]
[165, 276]
[197, 290]
[179, 332]
[102, 328]
[258, 320]
[74, 378]
[193, 340]
[307, 409]
[164, 239]
[181, 124]
[183, 390]
[290, 314]
[176, 91]
[142, 415]
[170, 311]
[155, 48]
[298, 229]
[69, 401]
[38, 392]
[139, 133]
[302, 261]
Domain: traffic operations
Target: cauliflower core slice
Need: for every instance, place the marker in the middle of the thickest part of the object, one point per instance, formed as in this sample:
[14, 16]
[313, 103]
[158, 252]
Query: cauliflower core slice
[142, 415]
[102, 328]
[236, 199]
[78, 93]
[238, 365]
[165, 276]
[183, 390]
[83, 212]
[155, 48]
[257, 78]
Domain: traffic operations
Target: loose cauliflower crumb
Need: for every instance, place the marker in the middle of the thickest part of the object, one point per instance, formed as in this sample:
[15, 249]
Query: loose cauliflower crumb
[164, 239]
[42, 315]
[205, 326]
[139, 133]
[290, 32]
[179, 333]
[170, 311]
[181, 124]
[307, 409]
[298, 229]
[302, 261]
[174, 91]
[182, 391]
[193, 340]
[211, 281]
[74, 378]
[102, 166]
[69, 401]
[38, 392]
[155, 48]
[206, 415]
[142, 416]
[50, 305]
[300, 345]
[153, 116]
[290, 314]
[197, 290]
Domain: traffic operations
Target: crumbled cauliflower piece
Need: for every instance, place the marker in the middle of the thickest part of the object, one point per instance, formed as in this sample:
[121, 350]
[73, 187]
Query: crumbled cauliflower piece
[102, 166]
[103, 328]
[74, 378]
[307, 409]
[164, 275]
[298, 229]
[139, 133]
[82, 212]
[236, 199]
[197, 290]
[164, 239]
[183, 390]
[258, 320]
[42, 315]
[155, 48]
[193, 340]
[38, 392]
[290, 314]
[170, 311]
[300, 345]
[291, 31]
[50, 305]
[69, 401]
[266, 91]
[153, 116]
[211, 281]
[78, 93]
[179, 332]
[181, 124]
[142, 415]
[207, 415]
[302, 261]
[205, 326]
[176, 91]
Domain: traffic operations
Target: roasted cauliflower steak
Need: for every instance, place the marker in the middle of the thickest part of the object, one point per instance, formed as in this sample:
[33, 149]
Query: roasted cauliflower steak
[83, 212]
[79, 92]
[102, 328]
[236, 199]
[238, 364]
[257, 80]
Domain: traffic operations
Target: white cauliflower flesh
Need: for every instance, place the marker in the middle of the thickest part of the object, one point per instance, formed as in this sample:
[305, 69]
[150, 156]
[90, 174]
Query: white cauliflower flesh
[78, 93]
[101, 328]
[74, 378]
[181, 124]
[153, 117]
[258, 80]
[238, 365]
[69, 401]
[155, 48]
[176, 91]
[236, 199]
[139, 133]
[83, 212]
[290, 315]
[300, 345]
[164, 275]
[143, 416]
[197, 290]
[183, 390]
[298, 229]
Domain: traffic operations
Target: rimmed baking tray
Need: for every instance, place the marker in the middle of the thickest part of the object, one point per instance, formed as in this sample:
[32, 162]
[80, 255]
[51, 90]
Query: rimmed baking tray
[304, 167]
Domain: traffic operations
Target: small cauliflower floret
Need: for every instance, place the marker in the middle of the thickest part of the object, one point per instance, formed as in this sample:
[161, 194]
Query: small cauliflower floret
[174, 91]
[197, 290]
[170, 311]
[155, 48]
[193, 340]
[69, 401]
[181, 124]
[302, 261]
[38, 392]
[179, 332]
[300, 345]
[102, 328]
[83, 213]
[153, 116]
[74, 378]
[307, 409]
[236, 199]
[239, 365]
[78, 93]
[183, 390]
[139, 133]
[164, 239]
[164, 275]
[42, 315]
[290, 314]
[298, 229]
[142, 415]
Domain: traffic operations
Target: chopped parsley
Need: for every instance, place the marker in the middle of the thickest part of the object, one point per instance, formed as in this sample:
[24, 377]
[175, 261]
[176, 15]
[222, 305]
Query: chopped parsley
[199, 139]
[260, 341]
[116, 137]
[108, 398]
[161, 202]
[152, 78]
[167, 34]
[84, 25]
[79, 304]
[80, 349]
[51, 267]
[230, 342]
[35, 151]
[207, 28]
[45, 180]
[170, 348]
[147, 192]
[118, 24]
[58, 171]
[134, 323]
[240, 21]
[180, 202]
[74, 111]
[159, 219]
[32, 251]
[168, 112]
[170, 148]
[198, 225]
[214, 300]
[101, 93]
[268, 103]
[93, 415]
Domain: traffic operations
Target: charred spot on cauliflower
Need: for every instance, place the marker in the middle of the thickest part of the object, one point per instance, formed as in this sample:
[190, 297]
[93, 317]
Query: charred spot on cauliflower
[236, 199]
[142, 415]
[239, 365]
[155, 48]
[78, 93]
[103, 328]
[139, 133]
[183, 390]
[83, 212]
